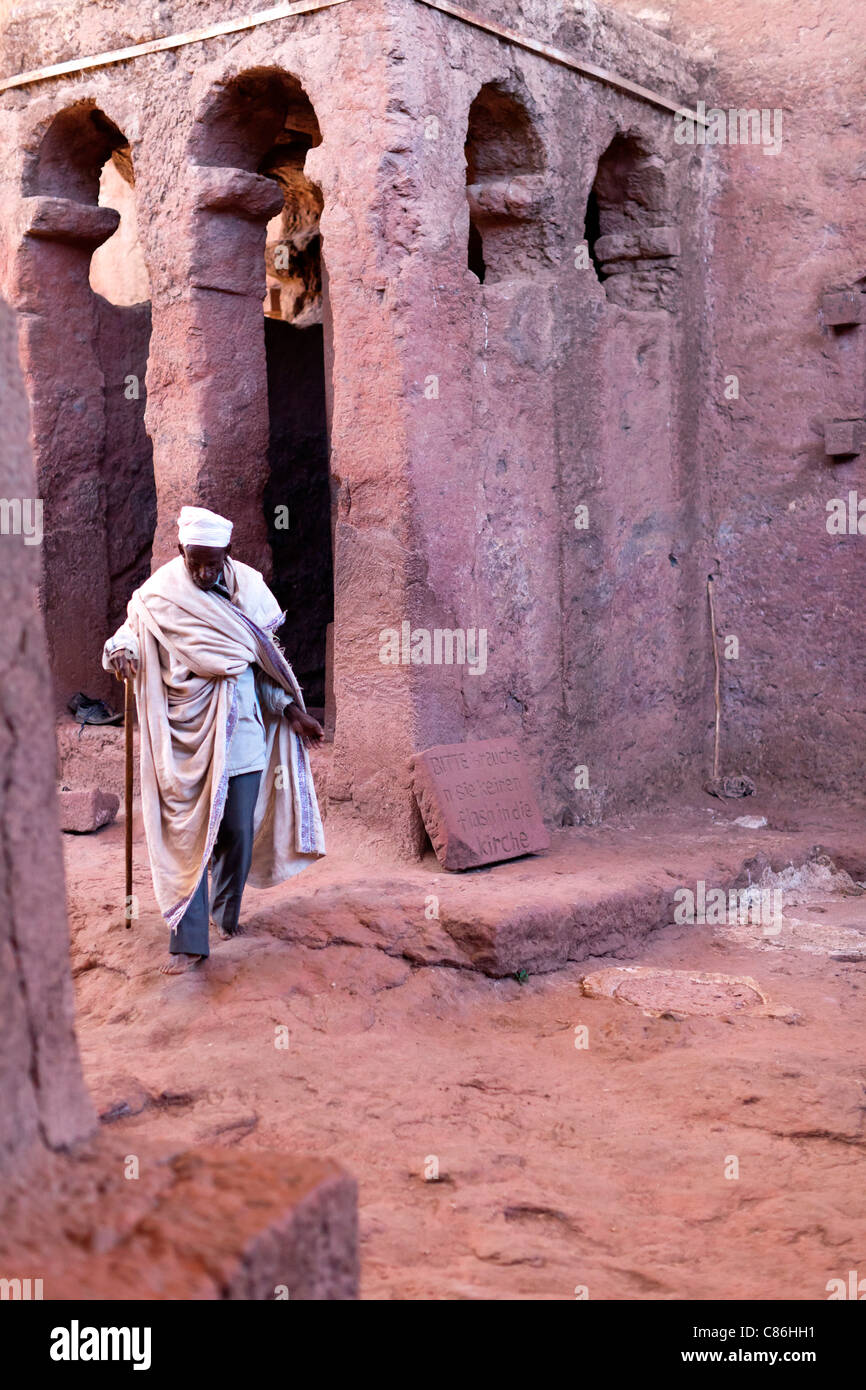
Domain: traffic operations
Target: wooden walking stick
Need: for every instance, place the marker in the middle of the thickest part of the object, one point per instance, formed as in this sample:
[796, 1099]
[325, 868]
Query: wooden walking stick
[127, 730]
[718, 681]
[731, 786]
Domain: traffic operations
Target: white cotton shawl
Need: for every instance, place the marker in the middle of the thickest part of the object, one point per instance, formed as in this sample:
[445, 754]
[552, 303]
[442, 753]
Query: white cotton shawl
[186, 732]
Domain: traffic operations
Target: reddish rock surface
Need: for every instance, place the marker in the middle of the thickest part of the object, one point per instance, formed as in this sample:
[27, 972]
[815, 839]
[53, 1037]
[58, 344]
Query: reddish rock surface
[559, 1165]
[477, 803]
[571, 368]
[84, 748]
[485, 380]
[42, 1095]
[184, 1224]
[85, 811]
[780, 232]
[479, 386]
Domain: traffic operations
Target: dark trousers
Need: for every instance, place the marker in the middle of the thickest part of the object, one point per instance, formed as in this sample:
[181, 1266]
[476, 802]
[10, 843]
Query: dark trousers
[230, 864]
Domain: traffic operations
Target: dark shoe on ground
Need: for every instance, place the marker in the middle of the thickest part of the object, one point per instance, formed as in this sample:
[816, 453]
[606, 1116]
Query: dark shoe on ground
[89, 711]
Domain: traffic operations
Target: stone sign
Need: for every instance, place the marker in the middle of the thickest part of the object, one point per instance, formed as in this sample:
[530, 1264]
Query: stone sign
[477, 802]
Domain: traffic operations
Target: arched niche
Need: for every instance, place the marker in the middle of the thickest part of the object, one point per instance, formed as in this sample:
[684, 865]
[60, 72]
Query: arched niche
[630, 230]
[505, 181]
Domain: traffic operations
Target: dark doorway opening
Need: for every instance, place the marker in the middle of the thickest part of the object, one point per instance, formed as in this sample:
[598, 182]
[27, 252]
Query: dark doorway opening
[263, 121]
[303, 575]
[592, 232]
[476, 252]
[297, 497]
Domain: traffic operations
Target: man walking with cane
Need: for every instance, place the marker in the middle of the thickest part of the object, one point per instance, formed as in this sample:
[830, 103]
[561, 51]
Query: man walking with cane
[225, 773]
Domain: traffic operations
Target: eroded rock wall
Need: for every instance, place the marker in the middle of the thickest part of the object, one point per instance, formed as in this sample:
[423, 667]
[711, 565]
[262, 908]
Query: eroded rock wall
[784, 229]
[484, 383]
[551, 409]
[42, 1097]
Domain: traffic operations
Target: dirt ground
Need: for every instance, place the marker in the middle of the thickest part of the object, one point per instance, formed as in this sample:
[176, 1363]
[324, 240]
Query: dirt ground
[670, 1157]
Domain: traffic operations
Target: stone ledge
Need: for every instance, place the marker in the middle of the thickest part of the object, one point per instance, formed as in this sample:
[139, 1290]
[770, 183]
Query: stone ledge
[597, 892]
[64, 219]
[521, 197]
[233, 190]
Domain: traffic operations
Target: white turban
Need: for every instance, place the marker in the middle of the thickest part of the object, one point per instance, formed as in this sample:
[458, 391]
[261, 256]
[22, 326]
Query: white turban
[198, 526]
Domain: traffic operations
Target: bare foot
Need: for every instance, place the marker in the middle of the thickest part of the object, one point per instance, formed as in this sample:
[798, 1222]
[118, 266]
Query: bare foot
[228, 935]
[179, 964]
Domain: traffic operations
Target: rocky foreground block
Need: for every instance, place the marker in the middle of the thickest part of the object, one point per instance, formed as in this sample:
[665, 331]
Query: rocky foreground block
[94, 753]
[198, 1224]
[84, 811]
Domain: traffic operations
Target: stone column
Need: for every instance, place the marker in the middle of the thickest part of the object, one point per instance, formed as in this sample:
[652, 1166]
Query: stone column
[373, 563]
[57, 316]
[42, 1095]
[207, 408]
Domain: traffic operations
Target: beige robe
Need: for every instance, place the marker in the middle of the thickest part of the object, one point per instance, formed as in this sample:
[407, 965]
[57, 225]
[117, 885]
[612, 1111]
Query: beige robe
[186, 727]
